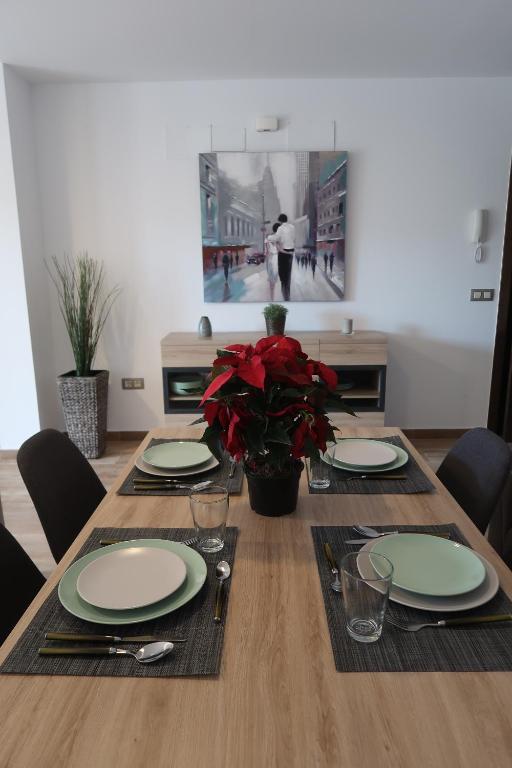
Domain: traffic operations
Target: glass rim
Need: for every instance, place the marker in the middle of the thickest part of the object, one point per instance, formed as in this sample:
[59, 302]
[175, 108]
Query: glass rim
[359, 576]
[201, 496]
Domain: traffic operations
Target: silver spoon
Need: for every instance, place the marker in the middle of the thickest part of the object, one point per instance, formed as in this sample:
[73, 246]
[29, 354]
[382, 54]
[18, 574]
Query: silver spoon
[370, 533]
[145, 655]
[222, 572]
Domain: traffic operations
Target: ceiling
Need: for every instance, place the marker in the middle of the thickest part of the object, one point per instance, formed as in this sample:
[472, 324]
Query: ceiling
[144, 40]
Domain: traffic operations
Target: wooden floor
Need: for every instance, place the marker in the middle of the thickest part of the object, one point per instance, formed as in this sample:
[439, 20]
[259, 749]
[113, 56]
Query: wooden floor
[21, 518]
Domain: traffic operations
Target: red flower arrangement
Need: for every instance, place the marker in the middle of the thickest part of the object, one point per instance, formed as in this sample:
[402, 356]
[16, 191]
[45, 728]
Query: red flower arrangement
[267, 404]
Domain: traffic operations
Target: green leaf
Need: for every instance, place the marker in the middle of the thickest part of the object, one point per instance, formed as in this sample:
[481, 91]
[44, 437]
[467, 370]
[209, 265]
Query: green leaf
[310, 449]
[197, 421]
[276, 433]
[253, 437]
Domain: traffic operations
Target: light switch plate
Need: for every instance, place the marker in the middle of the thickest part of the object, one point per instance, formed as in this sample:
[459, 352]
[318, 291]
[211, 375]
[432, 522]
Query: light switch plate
[132, 383]
[482, 294]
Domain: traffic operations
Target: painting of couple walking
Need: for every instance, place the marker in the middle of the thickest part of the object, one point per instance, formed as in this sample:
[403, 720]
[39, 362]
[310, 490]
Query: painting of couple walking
[273, 225]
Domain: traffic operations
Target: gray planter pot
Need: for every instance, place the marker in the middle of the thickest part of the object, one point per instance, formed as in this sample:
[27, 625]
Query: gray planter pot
[84, 402]
[276, 326]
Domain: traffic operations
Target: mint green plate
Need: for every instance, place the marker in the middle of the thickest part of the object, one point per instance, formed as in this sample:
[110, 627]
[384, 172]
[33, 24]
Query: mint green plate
[429, 565]
[72, 602]
[177, 455]
[400, 461]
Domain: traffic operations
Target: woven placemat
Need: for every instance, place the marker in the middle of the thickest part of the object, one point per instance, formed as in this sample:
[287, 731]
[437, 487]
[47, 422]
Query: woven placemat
[200, 655]
[219, 474]
[477, 648]
[416, 482]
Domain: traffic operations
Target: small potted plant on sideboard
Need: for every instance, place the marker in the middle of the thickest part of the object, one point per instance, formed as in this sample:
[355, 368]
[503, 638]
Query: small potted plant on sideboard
[275, 319]
[83, 391]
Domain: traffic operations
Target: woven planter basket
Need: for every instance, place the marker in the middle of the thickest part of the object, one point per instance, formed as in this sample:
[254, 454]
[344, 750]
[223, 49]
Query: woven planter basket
[84, 402]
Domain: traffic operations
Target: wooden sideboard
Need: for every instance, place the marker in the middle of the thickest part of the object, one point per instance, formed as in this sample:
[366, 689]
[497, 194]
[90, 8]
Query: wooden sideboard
[359, 359]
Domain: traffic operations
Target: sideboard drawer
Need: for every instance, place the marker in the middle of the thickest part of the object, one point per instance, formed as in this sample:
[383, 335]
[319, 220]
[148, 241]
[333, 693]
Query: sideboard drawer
[353, 354]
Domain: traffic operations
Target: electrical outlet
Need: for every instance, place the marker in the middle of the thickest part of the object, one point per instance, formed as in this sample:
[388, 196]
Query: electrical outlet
[482, 294]
[132, 383]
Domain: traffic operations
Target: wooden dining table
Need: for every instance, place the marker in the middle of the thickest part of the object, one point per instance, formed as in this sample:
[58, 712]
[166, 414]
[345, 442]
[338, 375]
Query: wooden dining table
[278, 700]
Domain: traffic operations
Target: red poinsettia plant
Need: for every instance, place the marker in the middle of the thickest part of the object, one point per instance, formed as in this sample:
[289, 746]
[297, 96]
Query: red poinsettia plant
[267, 404]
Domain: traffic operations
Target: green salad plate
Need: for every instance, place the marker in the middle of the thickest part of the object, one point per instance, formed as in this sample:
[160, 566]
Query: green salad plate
[430, 565]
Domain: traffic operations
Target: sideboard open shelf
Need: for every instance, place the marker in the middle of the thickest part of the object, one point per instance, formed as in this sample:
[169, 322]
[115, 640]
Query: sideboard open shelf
[360, 361]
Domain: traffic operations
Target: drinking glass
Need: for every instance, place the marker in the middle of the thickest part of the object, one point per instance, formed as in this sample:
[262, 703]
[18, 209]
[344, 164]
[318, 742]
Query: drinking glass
[319, 474]
[209, 511]
[365, 598]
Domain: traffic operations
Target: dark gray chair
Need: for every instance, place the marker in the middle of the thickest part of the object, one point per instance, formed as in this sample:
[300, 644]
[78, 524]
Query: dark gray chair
[500, 526]
[475, 471]
[20, 579]
[62, 484]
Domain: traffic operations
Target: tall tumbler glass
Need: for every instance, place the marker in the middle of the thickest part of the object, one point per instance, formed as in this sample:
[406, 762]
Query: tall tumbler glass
[210, 511]
[366, 579]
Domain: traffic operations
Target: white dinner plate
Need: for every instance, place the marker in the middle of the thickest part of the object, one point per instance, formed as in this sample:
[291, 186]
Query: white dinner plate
[466, 602]
[401, 460]
[364, 454]
[177, 454]
[149, 470]
[131, 578]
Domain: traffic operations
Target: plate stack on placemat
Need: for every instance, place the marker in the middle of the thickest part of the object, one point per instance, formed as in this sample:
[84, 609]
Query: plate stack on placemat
[186, 462]
[149, 583]
[433, 579]
[360, 465]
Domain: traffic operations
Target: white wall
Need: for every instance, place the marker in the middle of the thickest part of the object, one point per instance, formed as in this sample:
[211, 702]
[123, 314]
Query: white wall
[18, 399]
[21, 123]
[118, 172]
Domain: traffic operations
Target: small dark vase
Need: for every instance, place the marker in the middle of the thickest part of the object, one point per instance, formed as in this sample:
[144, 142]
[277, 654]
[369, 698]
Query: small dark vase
[275, 326]
[274, 496]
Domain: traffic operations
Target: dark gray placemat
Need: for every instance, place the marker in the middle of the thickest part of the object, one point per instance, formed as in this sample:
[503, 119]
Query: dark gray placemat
[416, 482]
[477, 648]
[217, 475]
[200, 655]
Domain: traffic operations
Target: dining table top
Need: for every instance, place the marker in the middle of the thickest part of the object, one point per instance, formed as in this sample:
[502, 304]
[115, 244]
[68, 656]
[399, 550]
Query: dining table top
[278, 700]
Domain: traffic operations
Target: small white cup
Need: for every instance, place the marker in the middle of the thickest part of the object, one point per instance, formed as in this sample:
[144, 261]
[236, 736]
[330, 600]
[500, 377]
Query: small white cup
[347, 325]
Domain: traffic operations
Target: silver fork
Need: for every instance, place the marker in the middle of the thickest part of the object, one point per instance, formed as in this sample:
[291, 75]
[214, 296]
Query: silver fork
[450, 622]
[107, 542]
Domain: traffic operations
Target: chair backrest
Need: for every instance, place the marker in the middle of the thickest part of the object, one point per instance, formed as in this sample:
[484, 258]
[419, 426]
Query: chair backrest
[21, 581]
[500, 524]
[475, 471]
[62, 484]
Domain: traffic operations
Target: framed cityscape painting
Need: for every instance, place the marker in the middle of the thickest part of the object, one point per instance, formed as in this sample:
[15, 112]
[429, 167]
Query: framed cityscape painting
[273, 225]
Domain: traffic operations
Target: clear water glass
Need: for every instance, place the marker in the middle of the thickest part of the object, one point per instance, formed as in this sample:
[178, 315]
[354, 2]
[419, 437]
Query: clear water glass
[319, 474]
[365, 598]
[210, 511]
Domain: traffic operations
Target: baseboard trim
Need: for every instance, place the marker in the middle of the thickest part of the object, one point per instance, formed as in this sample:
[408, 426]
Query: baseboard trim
[120, 435]
[433, 434]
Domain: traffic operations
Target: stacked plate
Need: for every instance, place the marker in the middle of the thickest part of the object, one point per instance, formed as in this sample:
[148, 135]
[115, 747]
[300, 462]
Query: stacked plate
[432, 573]
[179, 458]
[132, 581]
[365, 456]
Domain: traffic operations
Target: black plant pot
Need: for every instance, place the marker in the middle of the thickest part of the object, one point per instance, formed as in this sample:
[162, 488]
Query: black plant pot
[275, 327]
[274, 496]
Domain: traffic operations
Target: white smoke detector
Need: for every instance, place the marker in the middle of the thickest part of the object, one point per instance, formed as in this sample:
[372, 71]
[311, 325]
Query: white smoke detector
[267, 124]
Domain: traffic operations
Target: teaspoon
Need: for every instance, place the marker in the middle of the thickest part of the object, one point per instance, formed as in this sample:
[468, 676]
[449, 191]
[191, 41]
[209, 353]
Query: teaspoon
[222, 572]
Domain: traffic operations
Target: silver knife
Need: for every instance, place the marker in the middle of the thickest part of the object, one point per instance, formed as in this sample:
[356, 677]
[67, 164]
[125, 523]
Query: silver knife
[87, 638]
